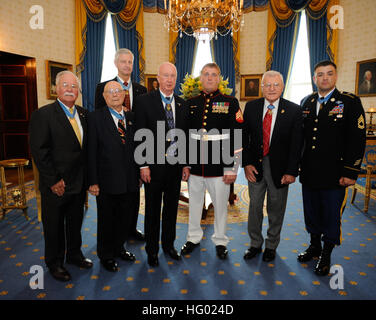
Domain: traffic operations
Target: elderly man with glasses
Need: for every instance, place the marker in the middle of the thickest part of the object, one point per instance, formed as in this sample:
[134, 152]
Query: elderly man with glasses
[272, 144]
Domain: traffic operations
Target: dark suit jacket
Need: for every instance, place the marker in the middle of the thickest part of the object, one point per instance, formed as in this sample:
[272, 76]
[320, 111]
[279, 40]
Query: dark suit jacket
[111, 163]
[286, 142]
[56, 150]
[149, 109]
[137, 90]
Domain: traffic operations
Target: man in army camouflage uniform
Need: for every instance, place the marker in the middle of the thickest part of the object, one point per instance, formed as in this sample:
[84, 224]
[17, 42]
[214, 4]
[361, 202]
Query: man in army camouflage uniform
[211, 111]
[335, 137]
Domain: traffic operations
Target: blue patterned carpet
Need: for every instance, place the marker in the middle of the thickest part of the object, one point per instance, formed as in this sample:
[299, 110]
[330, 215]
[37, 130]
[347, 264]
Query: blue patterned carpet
[201, 276]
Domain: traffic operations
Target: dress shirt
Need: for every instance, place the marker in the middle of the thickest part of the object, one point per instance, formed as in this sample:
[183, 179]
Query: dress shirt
[77, 119]
[274, 114]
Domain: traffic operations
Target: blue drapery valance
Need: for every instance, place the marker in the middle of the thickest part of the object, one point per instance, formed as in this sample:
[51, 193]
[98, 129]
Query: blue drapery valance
[159, 6]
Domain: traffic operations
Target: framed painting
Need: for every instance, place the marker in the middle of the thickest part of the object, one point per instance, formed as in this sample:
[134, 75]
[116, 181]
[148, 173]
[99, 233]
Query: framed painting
[52, 69]
[151, 82]
[365, 85]
[250, 87]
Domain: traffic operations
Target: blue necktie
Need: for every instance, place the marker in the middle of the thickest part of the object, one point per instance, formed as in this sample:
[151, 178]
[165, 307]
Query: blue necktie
[169, 113]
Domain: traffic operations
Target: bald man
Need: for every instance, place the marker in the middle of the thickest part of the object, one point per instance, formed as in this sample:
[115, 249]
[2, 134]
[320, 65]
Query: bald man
[113, 175]
[162, 180]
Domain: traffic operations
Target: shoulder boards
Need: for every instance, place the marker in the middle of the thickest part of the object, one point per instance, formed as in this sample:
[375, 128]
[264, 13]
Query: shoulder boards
[349, 94]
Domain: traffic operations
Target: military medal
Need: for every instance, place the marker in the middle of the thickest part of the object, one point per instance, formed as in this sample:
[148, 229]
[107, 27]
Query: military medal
[168, 107]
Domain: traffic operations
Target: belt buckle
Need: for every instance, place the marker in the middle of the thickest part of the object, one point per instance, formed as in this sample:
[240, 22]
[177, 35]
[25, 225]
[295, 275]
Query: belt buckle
[205, 137]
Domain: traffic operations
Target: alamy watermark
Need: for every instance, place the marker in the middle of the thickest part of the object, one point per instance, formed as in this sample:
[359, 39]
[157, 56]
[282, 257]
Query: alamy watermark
[37, 19]
[37, 280]
[337, 279]
[216, 146]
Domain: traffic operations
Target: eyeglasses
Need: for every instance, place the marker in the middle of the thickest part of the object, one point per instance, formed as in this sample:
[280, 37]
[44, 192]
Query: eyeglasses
[112, 91]
[67, 85]
[269, 85]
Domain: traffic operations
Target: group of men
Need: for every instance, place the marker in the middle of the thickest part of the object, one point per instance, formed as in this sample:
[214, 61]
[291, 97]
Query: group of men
[323, 140]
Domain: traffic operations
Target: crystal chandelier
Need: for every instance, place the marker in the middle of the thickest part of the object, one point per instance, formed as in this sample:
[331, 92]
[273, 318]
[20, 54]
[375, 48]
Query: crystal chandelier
[204, 17]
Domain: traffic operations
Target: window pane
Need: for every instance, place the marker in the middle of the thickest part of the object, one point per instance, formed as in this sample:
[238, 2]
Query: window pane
[203, 54]
[109, 70]
[299, 84]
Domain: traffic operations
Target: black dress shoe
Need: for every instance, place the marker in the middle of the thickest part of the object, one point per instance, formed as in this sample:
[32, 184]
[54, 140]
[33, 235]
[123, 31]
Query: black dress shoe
[323, 266]
[188, 247]
[269, 255]
[60, 273]
[81, 262]
[138, 235]
[309, 254]
[153, 260]
[251, 253]
[172, 253]
[127, 256]
[110, 265]
[221, 252]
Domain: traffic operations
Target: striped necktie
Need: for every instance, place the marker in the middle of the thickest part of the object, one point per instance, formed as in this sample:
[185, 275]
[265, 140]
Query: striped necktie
[74, 124]
[121, 130]
[127, 99]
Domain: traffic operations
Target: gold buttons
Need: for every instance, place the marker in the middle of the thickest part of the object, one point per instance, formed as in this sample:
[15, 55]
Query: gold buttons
[314, 138]
[207, 100]
[205, 117]
[206, 111]
[313, 147]
[204, 123]
[316, 120]
[314, 129]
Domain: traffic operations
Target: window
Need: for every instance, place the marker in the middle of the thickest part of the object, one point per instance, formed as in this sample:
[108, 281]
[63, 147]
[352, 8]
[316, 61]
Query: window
[203, 54]
[299, 84]
[108, 67]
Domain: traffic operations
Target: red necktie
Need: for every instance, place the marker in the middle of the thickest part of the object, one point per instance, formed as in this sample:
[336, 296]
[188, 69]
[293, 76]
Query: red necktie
[127, 100]
[266, 128]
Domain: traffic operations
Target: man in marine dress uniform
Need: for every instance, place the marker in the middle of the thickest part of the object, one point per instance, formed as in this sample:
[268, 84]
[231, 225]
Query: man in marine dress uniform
[124, 63]
[335, 137]
[211, 110]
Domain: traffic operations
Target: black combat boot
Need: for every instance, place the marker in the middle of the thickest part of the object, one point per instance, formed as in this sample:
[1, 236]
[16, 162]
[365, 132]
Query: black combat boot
[323, 266]
[314, 250]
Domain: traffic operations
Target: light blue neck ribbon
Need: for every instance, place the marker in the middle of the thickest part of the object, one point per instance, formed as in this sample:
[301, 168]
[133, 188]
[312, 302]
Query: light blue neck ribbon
[67, 112]
[323, 100]
[165, 100]
[123, 85]
[116, 114]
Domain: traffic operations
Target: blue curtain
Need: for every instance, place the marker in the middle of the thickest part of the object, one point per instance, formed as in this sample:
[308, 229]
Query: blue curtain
[224, 57]
[91, 75]
[185, 49]
[130, 39]
[317, 42]
[284, 47]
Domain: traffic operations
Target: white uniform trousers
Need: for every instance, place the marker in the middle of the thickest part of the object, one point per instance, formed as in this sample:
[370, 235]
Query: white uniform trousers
[219, 193]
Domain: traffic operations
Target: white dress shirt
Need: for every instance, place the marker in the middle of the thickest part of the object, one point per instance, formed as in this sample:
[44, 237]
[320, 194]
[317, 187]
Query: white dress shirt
[130, 89]
[274, 114]
[77, 119]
